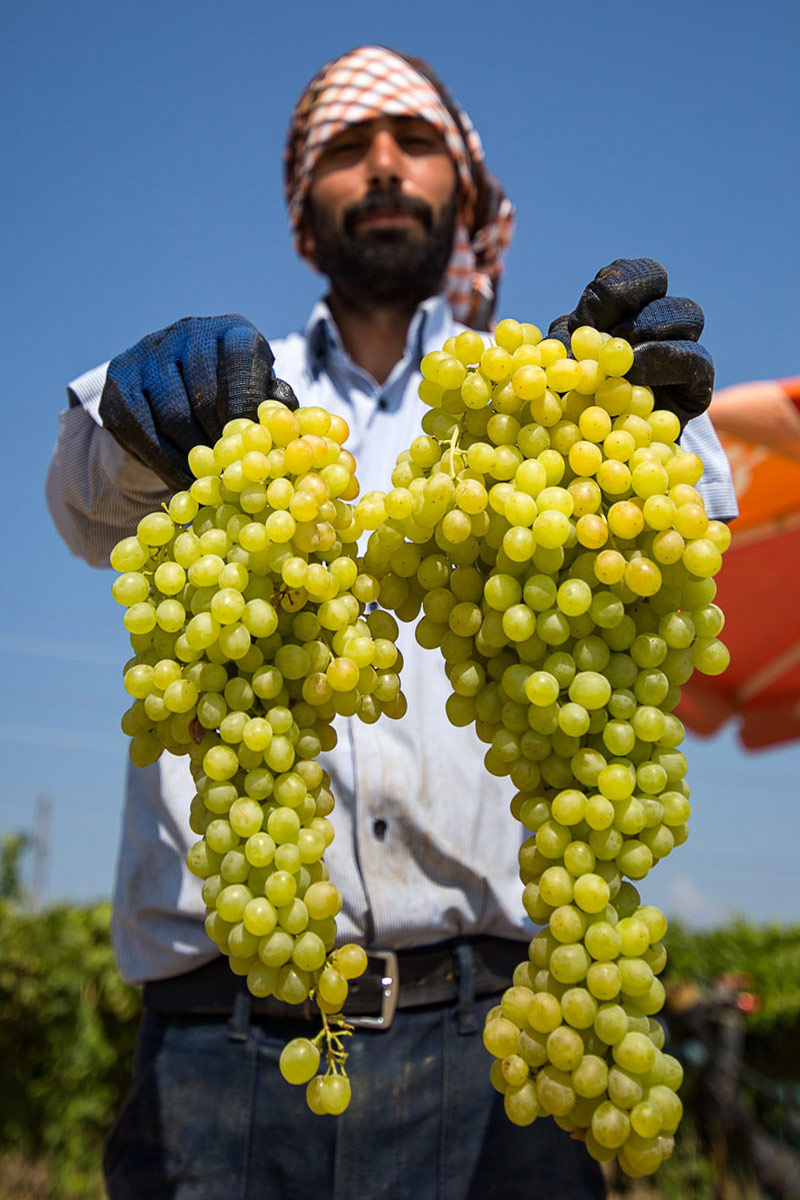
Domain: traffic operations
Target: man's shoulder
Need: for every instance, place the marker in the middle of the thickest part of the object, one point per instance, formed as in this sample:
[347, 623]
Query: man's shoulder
[288, 342]
[291, 354]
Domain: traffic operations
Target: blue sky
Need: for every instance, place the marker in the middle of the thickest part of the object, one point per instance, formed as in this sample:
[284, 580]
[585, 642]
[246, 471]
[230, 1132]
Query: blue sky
[142, 183]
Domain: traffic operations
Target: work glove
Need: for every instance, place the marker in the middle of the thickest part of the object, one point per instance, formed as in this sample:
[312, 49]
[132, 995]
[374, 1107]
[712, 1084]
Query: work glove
[628, 299]
[176, 389]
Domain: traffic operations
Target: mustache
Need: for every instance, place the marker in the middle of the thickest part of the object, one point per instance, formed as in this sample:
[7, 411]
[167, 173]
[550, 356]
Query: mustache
[387, 198]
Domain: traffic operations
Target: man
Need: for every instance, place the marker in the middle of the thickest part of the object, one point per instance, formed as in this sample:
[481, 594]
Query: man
[390, 200]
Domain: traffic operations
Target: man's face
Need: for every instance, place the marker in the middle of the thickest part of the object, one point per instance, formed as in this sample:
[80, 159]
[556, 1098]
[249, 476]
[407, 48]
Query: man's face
[382, 210]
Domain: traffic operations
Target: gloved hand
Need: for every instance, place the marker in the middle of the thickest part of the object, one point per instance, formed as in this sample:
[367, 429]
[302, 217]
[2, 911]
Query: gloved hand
[628, 299]
[176, 388]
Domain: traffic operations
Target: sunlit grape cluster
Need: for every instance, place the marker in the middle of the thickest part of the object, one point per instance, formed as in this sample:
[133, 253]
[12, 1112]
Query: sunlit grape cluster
[245, 606]
[546, 533]
[576, 1038]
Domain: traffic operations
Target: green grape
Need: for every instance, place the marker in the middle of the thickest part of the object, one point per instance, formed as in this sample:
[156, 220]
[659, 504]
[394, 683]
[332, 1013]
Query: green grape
[521, 1103]
[334, 1094]
[554, 1090]
[565, 1048]
[256, 593]
[515, 1004]
[590, 1077]
[568, 615]
[569, 964]
[579, 1008]
[611, 1023]
[568, 923]
[501, 1037]
[668, 1105]
[544, 1013]
[591, 893]
[309, 951]
[603, 941]
[603, 980]
[634, 1052]
[610, 1125]
[514, 1071]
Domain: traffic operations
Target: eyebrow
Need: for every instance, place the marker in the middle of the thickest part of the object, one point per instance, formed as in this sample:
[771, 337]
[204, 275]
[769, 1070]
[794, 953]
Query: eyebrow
[364, 127]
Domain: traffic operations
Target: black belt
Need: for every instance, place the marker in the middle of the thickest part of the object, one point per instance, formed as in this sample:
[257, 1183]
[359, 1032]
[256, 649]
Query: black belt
[393, 979]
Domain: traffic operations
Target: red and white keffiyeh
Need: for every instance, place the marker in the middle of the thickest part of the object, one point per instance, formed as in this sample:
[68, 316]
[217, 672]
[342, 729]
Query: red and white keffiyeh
[371, 82]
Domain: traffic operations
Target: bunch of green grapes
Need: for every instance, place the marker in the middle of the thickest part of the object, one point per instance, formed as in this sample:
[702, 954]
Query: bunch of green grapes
[245, 607]
[546, 532]
[576, 1038]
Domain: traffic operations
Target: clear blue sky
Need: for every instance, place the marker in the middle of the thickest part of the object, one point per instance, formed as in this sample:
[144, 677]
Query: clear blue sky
[142, 157]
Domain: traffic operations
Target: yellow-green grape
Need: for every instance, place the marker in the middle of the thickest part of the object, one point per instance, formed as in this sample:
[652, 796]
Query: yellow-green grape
[299, 1060]
[334, 1094]
[246, 605]
[547, 536]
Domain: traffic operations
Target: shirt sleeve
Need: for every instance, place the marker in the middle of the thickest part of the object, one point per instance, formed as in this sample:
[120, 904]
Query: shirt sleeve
[716, 486]
[96, 492]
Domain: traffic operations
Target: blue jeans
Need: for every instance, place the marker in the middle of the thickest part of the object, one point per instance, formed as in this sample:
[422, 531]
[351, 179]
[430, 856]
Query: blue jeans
[210, 1118]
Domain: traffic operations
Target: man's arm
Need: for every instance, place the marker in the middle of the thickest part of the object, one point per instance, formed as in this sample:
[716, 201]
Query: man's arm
[716, 486]
[176, 389]
[123, 444]
[628, 299]
[96, 491]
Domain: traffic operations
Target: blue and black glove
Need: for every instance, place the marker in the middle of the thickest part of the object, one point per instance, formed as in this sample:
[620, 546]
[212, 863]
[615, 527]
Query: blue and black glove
[175, 389]
[628, 299]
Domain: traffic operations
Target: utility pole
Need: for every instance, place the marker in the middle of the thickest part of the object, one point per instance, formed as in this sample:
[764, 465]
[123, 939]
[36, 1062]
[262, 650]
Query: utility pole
[41, 848]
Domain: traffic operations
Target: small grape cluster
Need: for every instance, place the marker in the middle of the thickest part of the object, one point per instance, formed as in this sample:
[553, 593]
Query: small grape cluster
[245, 606]
[576, 1037]
[545, 532]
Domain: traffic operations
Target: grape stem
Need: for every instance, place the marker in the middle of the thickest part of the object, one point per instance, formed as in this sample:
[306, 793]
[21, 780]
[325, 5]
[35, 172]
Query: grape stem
[452, 448]
[335, 1053]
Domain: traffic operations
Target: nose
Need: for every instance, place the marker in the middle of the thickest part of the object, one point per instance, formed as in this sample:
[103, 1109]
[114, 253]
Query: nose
[384, 160]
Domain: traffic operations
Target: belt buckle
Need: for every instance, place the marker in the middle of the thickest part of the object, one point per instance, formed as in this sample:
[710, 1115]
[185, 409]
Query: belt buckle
[390, 987]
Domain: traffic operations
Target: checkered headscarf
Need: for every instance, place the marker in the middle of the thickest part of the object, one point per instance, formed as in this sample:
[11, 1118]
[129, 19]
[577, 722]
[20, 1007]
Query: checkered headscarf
[371, 82]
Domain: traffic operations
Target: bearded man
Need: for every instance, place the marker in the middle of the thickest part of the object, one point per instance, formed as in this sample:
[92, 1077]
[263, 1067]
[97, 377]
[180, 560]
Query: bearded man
[389, 198]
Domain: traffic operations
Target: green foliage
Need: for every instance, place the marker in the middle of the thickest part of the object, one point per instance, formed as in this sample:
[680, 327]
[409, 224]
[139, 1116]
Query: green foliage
[67, 1028]
[769, 955]
[12, 848]
[68, 1025]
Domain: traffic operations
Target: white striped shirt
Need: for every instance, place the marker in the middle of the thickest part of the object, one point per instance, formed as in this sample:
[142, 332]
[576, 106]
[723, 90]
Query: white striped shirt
[425, 846]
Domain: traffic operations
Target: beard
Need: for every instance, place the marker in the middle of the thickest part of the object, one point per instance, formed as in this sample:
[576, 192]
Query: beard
[401, 266]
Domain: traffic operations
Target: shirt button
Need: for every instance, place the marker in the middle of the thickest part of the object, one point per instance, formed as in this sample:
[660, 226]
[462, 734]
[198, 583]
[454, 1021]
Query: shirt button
[379, 829]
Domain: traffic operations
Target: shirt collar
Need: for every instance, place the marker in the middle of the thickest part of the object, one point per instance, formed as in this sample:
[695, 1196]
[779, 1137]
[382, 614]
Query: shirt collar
[430, 326]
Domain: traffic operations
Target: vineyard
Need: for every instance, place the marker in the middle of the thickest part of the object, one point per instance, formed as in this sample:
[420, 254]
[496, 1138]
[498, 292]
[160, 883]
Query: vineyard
[67, 1029]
